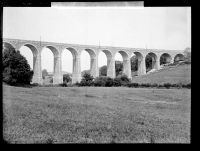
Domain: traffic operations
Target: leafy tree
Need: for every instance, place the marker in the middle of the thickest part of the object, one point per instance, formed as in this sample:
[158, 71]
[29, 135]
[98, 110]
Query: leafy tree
[87, 77]
[134, 64]
[87, 80]
[67, 78]
[85, 71]
[100, 81]
[121, 80]
[44, 73]
[103, 81]
[16, 69]
[103, 71]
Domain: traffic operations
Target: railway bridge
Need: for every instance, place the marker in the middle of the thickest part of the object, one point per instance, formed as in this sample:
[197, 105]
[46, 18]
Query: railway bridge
[57, 48]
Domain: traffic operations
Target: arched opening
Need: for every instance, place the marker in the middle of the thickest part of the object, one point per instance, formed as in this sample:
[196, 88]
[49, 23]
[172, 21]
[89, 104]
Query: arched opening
[150, 62]
[178, 58]
[104, 62]
[165, 59]
[49, 62]
[118, 64]
[136, 60]
[85, 62]
[67, 63]
[30, 53]
[122, 63]
[93, 68]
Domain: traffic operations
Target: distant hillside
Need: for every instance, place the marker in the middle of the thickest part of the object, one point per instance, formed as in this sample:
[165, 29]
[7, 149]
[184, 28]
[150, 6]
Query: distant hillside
[64, 72]
[173, 75]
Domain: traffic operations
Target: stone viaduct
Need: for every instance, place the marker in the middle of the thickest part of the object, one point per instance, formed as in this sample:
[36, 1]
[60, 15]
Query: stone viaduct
[57, 48]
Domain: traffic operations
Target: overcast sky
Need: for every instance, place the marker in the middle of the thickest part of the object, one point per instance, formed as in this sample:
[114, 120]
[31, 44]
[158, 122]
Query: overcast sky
[164, 28]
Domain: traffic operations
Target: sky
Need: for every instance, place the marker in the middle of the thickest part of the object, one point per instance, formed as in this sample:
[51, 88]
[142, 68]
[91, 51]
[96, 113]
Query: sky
[149, 27]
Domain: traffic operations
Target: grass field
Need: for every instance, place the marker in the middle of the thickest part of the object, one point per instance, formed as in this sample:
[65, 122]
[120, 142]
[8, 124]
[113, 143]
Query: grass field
[96, 115]
[173, 75]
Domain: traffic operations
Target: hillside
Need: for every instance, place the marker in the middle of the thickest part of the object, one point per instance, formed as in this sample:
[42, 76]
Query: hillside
[173, 75]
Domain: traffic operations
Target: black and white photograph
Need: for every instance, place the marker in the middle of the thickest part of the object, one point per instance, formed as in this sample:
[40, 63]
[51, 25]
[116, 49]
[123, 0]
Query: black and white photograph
[96, 73]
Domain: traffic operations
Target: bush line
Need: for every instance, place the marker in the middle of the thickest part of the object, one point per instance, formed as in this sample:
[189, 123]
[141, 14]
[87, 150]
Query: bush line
[119, 81]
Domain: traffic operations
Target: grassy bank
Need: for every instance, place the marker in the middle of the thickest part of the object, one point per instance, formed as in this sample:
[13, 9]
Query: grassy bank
[172, 75]
[96, 115]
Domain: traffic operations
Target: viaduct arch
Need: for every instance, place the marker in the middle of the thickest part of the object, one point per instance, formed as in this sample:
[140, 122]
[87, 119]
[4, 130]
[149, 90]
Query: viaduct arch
[57, 48]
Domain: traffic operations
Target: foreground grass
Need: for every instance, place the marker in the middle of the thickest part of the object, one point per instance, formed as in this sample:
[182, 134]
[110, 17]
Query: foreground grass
[173, 75]
[96, 115]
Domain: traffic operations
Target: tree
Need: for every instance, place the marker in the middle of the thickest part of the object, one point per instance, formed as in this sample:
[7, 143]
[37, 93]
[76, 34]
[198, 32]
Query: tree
[103, 71]
[87, 77]
[16, 69]
[44, 73]
[134, 64]
[66, 78]
[85, 71]
[118, 67]
[187, 53]
[87, 80]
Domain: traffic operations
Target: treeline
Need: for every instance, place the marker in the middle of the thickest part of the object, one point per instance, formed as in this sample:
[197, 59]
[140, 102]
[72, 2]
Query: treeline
[122, 80]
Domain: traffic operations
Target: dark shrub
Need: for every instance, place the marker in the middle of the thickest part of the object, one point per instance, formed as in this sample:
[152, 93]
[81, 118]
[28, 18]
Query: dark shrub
[103, 81]
[142, 85]
[145, 85]
[188, 85]
[117, 82]
[35, 84]
[87, 80]
[67, 78]
[100, 81]
[124, 78]
[121, 80]
[154, 85]
[174, 85]
[86, 83]
[167, 85]
[63, 84]
[179, 85]
[109, 82]
[135, 85]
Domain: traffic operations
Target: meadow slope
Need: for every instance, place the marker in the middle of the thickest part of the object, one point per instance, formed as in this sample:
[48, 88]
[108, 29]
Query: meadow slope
[173, 75]
[96, 115]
